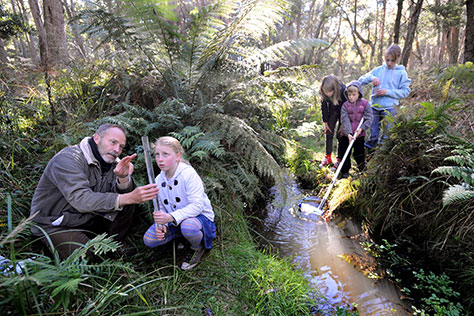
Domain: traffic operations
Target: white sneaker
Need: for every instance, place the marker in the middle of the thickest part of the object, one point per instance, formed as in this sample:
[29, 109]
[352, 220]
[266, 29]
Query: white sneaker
[193, 258]
[324, 162]
[336, 164]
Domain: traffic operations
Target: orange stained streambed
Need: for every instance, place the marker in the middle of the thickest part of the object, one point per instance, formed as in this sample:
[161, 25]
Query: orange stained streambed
[331, 258]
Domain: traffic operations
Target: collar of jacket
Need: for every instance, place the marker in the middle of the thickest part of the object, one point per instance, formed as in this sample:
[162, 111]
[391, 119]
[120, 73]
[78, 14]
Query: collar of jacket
[87, 151]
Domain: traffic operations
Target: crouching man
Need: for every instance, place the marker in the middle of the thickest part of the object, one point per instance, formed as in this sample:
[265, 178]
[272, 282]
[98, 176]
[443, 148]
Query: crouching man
[85, 190]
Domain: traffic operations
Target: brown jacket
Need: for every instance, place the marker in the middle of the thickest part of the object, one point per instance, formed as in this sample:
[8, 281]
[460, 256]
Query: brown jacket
[73, 186]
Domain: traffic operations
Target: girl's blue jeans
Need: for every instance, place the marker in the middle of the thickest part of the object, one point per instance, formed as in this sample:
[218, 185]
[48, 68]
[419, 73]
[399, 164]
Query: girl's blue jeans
[380, 122]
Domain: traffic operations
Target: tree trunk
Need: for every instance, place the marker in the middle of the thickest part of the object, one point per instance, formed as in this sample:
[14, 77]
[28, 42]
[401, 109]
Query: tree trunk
[33, 53]
[382, 32]
[77, 37]
[356, 35]
[298, 28]
[469, 39]
[453, 44]
[43, 44]
[309, 25]
[411, 32]
[442, 46]
[3, 54]
[55, 32]
[398, 18]
[29, 38]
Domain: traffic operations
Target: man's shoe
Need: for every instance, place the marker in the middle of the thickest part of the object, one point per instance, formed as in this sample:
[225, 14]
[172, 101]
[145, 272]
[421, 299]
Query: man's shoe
[193, 257]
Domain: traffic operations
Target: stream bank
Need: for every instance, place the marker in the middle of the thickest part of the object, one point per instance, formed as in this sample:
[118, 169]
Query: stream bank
[329, 255]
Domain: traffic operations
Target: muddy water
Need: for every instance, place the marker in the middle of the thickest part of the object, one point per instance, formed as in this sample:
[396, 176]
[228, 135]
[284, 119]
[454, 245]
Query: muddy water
[319, 249]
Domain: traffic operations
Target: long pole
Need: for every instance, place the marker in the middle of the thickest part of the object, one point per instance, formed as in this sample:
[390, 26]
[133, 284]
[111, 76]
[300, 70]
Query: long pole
[338, 170]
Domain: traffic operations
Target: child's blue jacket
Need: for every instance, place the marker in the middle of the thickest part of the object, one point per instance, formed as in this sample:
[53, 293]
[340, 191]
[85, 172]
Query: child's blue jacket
[395, 81]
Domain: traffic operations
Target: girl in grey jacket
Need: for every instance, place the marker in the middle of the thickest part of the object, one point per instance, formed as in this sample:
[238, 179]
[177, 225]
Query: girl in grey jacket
[352, 112]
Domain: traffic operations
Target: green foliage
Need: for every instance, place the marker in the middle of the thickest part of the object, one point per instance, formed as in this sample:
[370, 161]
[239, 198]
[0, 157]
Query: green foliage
[24, 138]
[349, 311]
[448, 14]
[196, 145]
[400, 179]
[434, 293]
[462, 73]
[204, 86]
[436, 116]
[274, 290]
[198, 66]
[11, 24]
[438, 296]
[459, 193]
[75, 285]
[283, 50]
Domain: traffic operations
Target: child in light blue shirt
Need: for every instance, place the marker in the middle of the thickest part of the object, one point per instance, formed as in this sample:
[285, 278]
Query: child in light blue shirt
[391, 83]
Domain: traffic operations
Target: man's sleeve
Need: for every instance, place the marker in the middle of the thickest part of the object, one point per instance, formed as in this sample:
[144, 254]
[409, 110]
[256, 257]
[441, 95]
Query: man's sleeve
[69, 176]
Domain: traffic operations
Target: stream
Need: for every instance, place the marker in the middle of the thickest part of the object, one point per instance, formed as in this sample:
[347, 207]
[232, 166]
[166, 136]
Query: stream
[321, 250]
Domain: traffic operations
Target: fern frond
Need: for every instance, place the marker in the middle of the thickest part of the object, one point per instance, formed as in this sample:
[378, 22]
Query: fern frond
[99, 245]
[281, 50]
[460, 173]
[198, 144]
[253, 18]
[70, 286]
[153, 43]
[457, 194]
[243, 139]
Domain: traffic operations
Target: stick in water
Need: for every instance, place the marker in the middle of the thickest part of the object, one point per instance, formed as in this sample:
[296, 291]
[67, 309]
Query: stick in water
[326, 196]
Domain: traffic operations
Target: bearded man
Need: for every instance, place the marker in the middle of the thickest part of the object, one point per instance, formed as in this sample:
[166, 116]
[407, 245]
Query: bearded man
[85, 190]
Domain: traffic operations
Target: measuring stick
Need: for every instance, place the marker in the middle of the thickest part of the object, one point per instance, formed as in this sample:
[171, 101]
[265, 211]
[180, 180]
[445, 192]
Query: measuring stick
[149, 170]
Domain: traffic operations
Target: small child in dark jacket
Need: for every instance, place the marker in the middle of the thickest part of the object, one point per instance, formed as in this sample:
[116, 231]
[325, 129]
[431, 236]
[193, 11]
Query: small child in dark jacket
[352, 111]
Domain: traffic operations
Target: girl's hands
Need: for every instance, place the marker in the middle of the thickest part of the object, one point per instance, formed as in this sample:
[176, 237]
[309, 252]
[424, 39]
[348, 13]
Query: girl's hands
[326, 128]
[160, 231]
[378, 91]
[162, 217]
[355, 135]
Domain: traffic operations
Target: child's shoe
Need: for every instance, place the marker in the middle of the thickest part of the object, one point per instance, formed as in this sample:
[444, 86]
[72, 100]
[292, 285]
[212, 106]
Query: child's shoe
[193, 257]
[335, 165]
[326, 161]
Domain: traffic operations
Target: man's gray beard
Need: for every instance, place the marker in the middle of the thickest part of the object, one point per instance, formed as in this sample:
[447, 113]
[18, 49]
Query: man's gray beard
[106, 159]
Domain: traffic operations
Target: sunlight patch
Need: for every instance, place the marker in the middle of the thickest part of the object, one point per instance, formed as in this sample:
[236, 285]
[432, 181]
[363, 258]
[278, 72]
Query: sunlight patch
[307, 129]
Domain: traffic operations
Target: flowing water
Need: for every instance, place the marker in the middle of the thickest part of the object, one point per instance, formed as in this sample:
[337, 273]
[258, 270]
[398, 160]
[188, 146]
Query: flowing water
[320, 250]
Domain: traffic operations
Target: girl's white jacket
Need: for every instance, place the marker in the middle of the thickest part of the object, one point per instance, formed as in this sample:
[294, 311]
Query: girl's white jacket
[183, 195]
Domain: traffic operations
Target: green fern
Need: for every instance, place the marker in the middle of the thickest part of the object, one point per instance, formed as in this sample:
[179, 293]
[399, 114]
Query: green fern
[457, 193]
[244, 139]
[437, 117]
[196, 143]
[281, 50]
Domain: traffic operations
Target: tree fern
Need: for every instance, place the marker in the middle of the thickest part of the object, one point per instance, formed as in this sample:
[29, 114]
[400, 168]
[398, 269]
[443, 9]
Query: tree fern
[251, 21]
[457, 194]
[197, 144]
[281, 50]
[243, 139]
[464, 158]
